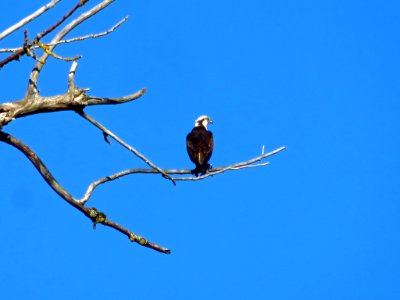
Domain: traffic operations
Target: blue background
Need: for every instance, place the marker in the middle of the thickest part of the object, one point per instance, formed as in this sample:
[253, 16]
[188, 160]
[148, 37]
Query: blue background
[320, 222]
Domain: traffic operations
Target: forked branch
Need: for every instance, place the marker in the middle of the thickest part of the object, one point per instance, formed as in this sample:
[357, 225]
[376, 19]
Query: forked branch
[74, 99]
[71, 40]
[99, 217]
[92, 213]
[32, 85]
[125, 145]
[214, 171]
[28, 45]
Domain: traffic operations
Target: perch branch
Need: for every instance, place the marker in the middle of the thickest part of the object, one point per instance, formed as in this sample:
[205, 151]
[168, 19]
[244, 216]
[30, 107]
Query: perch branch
[125, 145]
[92, 213]
[213, 171]
[28, 19]
[237, 166]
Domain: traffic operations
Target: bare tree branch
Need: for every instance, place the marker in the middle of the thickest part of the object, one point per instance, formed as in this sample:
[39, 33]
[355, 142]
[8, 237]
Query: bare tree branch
[99, 217]
[75, 39]
[39, 165]
[91, 100]
[71, 78]
[32, 86]
[237, 166]
[92, 213]
[72, 88]
[27, 46]
[46, 48]
[75, 99]
[124, 144]
[28, 19]
[214, 171]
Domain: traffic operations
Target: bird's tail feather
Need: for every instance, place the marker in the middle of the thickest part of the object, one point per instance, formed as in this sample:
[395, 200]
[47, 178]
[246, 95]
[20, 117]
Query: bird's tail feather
[200, 158]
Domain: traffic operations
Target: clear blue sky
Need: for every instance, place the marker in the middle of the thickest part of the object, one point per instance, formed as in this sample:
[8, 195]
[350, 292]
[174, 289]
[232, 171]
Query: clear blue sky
[320, 222]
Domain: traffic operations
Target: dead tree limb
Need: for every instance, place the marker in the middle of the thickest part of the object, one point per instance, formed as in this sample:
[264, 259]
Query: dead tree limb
[107, 132]
[92, 213]
[27, 46]
[99, 217]
[28, 19]
[71, 40]
[76, 99]
[211, 172]
[32, 86]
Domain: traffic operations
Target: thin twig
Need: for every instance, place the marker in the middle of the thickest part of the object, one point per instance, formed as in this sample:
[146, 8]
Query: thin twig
[75, 39]
[66, 16]
[28, 19]
[90, 36]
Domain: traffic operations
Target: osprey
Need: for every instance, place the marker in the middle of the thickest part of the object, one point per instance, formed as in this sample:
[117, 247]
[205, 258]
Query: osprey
[200, 144]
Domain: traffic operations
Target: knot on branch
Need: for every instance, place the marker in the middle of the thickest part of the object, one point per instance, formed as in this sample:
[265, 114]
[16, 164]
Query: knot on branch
[5, 119]
[78, 98]
[96, 216]
[138, 239]
[29, 48]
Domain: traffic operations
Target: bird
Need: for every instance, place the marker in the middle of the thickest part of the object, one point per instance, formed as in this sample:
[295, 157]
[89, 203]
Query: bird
[200, 145]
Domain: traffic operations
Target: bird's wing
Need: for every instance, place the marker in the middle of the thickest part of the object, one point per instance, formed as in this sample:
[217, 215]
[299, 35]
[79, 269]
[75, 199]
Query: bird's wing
[191, 148]
[209, 147]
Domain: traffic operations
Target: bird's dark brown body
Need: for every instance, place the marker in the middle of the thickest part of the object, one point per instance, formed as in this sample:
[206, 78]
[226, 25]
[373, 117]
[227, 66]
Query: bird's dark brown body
[199, 145]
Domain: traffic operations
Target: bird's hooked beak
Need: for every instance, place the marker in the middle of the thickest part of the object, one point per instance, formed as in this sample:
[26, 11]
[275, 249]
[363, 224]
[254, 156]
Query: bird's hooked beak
[208, 122]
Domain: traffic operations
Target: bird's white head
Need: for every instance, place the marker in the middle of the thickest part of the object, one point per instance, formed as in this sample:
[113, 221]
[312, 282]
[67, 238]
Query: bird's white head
[202, 121]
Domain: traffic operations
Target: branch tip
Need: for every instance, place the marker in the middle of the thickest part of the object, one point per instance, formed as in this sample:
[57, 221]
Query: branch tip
[71, 77]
